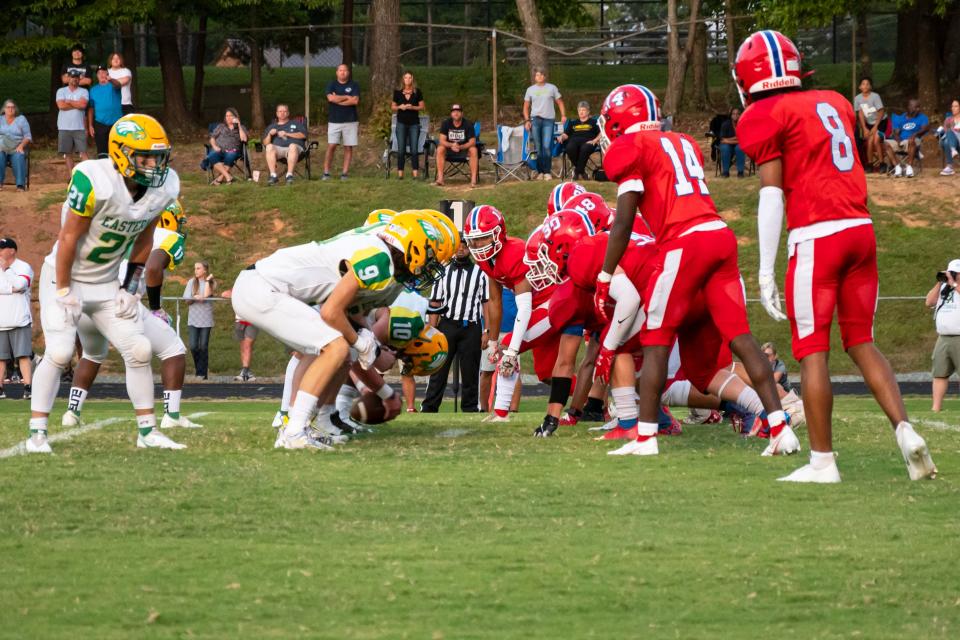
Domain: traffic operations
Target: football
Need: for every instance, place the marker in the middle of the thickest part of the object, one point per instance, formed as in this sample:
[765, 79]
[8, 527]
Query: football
[368, 409]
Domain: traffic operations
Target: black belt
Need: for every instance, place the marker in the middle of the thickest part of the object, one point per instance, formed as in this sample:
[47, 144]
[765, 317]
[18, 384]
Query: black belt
[251, 267]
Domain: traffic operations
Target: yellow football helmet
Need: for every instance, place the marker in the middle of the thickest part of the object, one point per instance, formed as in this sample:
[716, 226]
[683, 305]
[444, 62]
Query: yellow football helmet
[425, 354]
[403, 326]
[135, 140]
[447, 249]
[416, 237]
[173, 218]
[379, 215]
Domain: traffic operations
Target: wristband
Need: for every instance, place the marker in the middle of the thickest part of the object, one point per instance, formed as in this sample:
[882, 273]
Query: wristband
[603, 276]
[153, 297]
[385, 392]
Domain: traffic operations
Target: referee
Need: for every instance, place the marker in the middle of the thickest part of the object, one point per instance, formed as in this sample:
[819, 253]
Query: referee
[457, 305]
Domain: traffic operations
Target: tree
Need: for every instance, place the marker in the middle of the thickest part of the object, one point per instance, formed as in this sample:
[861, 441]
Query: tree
[346, 33]
[175, 115]
[530, 19]
[385, 49]
[678, 58]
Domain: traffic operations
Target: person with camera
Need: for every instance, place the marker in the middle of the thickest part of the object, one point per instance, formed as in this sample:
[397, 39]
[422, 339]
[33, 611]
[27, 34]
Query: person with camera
[945, 303]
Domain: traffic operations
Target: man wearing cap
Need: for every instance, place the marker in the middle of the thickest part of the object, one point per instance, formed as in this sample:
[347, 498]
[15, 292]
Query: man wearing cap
[457, 138]
[103, 109]
[16, 334]
[945, 302]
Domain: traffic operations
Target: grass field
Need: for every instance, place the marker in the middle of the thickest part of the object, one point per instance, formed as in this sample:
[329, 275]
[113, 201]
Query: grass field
[440, 527]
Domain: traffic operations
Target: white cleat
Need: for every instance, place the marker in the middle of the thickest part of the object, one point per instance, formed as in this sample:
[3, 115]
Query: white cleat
[646, 447]
[71, 419]
[278, 421]
[37, 443]
[915, 453]
[157, 440]
[807, 473]
[359, 427]
[301, 440]
[784, 444]
[492, 417]
[169, 422]
[326, 437]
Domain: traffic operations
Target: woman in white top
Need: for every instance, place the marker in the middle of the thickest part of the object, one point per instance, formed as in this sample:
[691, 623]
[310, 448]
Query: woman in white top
[124, 76]
[200, 315]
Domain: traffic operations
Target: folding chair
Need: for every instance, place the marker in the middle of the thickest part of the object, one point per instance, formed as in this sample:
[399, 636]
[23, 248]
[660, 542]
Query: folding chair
[459, 163]
[304, 159]
[713, 135]
[26, 184]
[511, 155]
[244, 158]
[594, 167]
[393, 147]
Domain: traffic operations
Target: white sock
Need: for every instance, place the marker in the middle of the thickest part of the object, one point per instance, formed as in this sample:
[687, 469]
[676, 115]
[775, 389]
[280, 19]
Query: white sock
[288, 384]
[38, 424]
[504, 393]
[821, 459]
[301, 413]
[624, 399]
[76, 399]
[140, 386]
[171, 402]
[749, 399]
[146, 423]
[646, 428]
[776, 418]
[345, 398]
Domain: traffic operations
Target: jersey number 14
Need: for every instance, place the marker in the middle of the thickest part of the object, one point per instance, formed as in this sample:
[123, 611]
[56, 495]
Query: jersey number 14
[687, 172]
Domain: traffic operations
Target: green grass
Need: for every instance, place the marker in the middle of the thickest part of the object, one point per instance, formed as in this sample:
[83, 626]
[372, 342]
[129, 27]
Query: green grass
[406, 534]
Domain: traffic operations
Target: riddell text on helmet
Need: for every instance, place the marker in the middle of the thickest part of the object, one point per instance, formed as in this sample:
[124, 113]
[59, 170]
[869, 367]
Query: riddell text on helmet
[767, 85]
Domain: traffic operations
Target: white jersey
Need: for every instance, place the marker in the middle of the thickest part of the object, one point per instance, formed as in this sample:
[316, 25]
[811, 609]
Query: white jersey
[309, 272]
[98, 191]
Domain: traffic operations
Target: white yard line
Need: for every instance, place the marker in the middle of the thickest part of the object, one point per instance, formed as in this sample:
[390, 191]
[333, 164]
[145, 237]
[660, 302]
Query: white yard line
[936, 424]
[453, 433]
[21, 447]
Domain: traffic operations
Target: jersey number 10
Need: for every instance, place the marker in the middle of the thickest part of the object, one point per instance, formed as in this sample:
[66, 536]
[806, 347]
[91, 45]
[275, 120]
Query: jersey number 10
[694, 170]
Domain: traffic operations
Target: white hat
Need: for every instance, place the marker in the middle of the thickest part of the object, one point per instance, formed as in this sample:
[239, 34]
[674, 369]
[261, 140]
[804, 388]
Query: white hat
[954, 266]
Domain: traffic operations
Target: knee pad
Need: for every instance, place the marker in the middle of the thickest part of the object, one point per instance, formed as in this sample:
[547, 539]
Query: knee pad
[59, 355]
[136, 352]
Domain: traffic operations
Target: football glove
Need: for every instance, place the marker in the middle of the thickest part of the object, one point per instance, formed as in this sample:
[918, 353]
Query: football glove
[770, 296]
[547, 427]
[71, 304]
[495, 353]
[163, 315]
[126, 305]
[366, 346]
[603, 364]
[509, 363]
[601, 296]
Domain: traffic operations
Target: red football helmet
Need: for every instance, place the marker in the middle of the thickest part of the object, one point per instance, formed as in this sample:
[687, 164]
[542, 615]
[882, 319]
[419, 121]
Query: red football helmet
[767, 60]
[484, 223]
[628, 108]
[560, 233]
[535, 257]
[561, 193]
[595, 207]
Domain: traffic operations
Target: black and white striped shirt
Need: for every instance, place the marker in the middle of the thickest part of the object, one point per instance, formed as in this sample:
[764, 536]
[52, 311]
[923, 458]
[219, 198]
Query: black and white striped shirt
[462, 290]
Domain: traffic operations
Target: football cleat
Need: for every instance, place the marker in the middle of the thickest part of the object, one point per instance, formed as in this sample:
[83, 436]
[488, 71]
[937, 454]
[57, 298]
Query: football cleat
[715, 417]
[673, 428]
[349, 425]
[612, 423]
[569, 419]
[37, 443]
[547, 427]
[796, 413]
[783, 444]
[169, 422]
[643, 446]
[593, 416]
[915, 453]
[327, 433]
[492, 417]
[71, 419]
[301, 440]
[278, 420]
[157, 440]
[619, 433]
[808, 473]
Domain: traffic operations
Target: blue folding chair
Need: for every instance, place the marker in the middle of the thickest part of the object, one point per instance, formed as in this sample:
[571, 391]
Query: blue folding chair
[511, 157]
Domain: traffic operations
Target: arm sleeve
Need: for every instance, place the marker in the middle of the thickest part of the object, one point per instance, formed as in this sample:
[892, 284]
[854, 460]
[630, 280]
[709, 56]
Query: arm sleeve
[627, 307]
[524, 311]
[769, 225]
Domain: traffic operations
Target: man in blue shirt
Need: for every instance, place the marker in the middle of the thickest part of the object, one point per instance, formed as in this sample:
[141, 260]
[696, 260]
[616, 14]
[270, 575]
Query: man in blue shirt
[103, 109]
[908, 130]
[343, 95]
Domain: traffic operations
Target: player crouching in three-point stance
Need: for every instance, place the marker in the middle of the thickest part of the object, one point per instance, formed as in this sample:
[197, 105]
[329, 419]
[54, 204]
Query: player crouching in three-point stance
[802, 142]
[111, 203]
[661, 173]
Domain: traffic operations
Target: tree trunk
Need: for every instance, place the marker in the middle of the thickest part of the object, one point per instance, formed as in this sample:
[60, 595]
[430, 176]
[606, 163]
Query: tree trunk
[55, 83]
[385, 50]
[466, 35]
[346, 34]
[904, 75]
[730, 31]
[928, 58]
[429, 33]
[863, 45]
[256, 85]
[128, 47]
[951, 49]
[677, 58]
[536, 54]
[175, 114]
[199, 55]
[700, 99]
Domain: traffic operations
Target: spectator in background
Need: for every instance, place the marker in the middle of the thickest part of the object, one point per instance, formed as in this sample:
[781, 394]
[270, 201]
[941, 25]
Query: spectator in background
[539, 117]
[945, 302]
[343, 126]
[16, 331]
[950, 138]
[200, 315]
[870, 120]
[124, 76]
[456, 306]
[15, 137]
[226, 146]
[729, 146]
[284, 139]
[103, 109]
[907, 135]
[77, 65]
[457, 136]
[779, 368]
[407, 104]
[581, 135]
[71, 132]
[246, 334]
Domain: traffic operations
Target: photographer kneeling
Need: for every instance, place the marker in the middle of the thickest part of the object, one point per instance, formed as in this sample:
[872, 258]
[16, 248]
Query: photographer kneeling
[944, 301]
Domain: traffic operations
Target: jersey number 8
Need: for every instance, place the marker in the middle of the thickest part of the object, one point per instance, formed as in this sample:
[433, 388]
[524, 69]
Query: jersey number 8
[841, 148]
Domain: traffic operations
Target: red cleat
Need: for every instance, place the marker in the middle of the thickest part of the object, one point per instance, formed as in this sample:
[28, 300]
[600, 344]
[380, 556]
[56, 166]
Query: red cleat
[569, 420]
[619, 433]
[715, 418]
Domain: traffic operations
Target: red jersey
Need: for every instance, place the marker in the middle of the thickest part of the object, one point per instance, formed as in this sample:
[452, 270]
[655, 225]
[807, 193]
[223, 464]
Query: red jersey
[667, 168]
[572, 305]
[508, 269]
[812, 133]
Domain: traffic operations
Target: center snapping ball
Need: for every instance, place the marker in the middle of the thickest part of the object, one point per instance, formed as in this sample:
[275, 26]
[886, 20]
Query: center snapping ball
[368, 409]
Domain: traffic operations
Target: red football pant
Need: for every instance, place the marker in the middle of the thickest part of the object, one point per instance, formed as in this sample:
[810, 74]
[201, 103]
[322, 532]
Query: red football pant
[542, 338]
